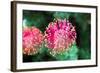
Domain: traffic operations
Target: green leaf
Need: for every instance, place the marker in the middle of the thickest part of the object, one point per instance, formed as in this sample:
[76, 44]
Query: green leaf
[84, 53]
[61, 15]
[71, 54]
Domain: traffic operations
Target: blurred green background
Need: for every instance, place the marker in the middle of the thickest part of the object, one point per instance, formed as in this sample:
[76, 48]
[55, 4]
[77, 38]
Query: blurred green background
[41, 19]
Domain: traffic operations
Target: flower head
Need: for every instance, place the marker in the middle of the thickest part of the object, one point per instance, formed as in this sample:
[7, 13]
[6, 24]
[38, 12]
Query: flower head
[60, 35]
[32, 40]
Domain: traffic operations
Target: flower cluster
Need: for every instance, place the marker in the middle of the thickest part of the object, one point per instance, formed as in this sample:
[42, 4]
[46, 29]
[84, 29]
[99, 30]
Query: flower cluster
[32, 40]
[60, 35]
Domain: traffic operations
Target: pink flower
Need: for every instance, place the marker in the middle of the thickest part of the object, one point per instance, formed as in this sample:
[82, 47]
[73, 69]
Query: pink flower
[60, 35]
[32, 40]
